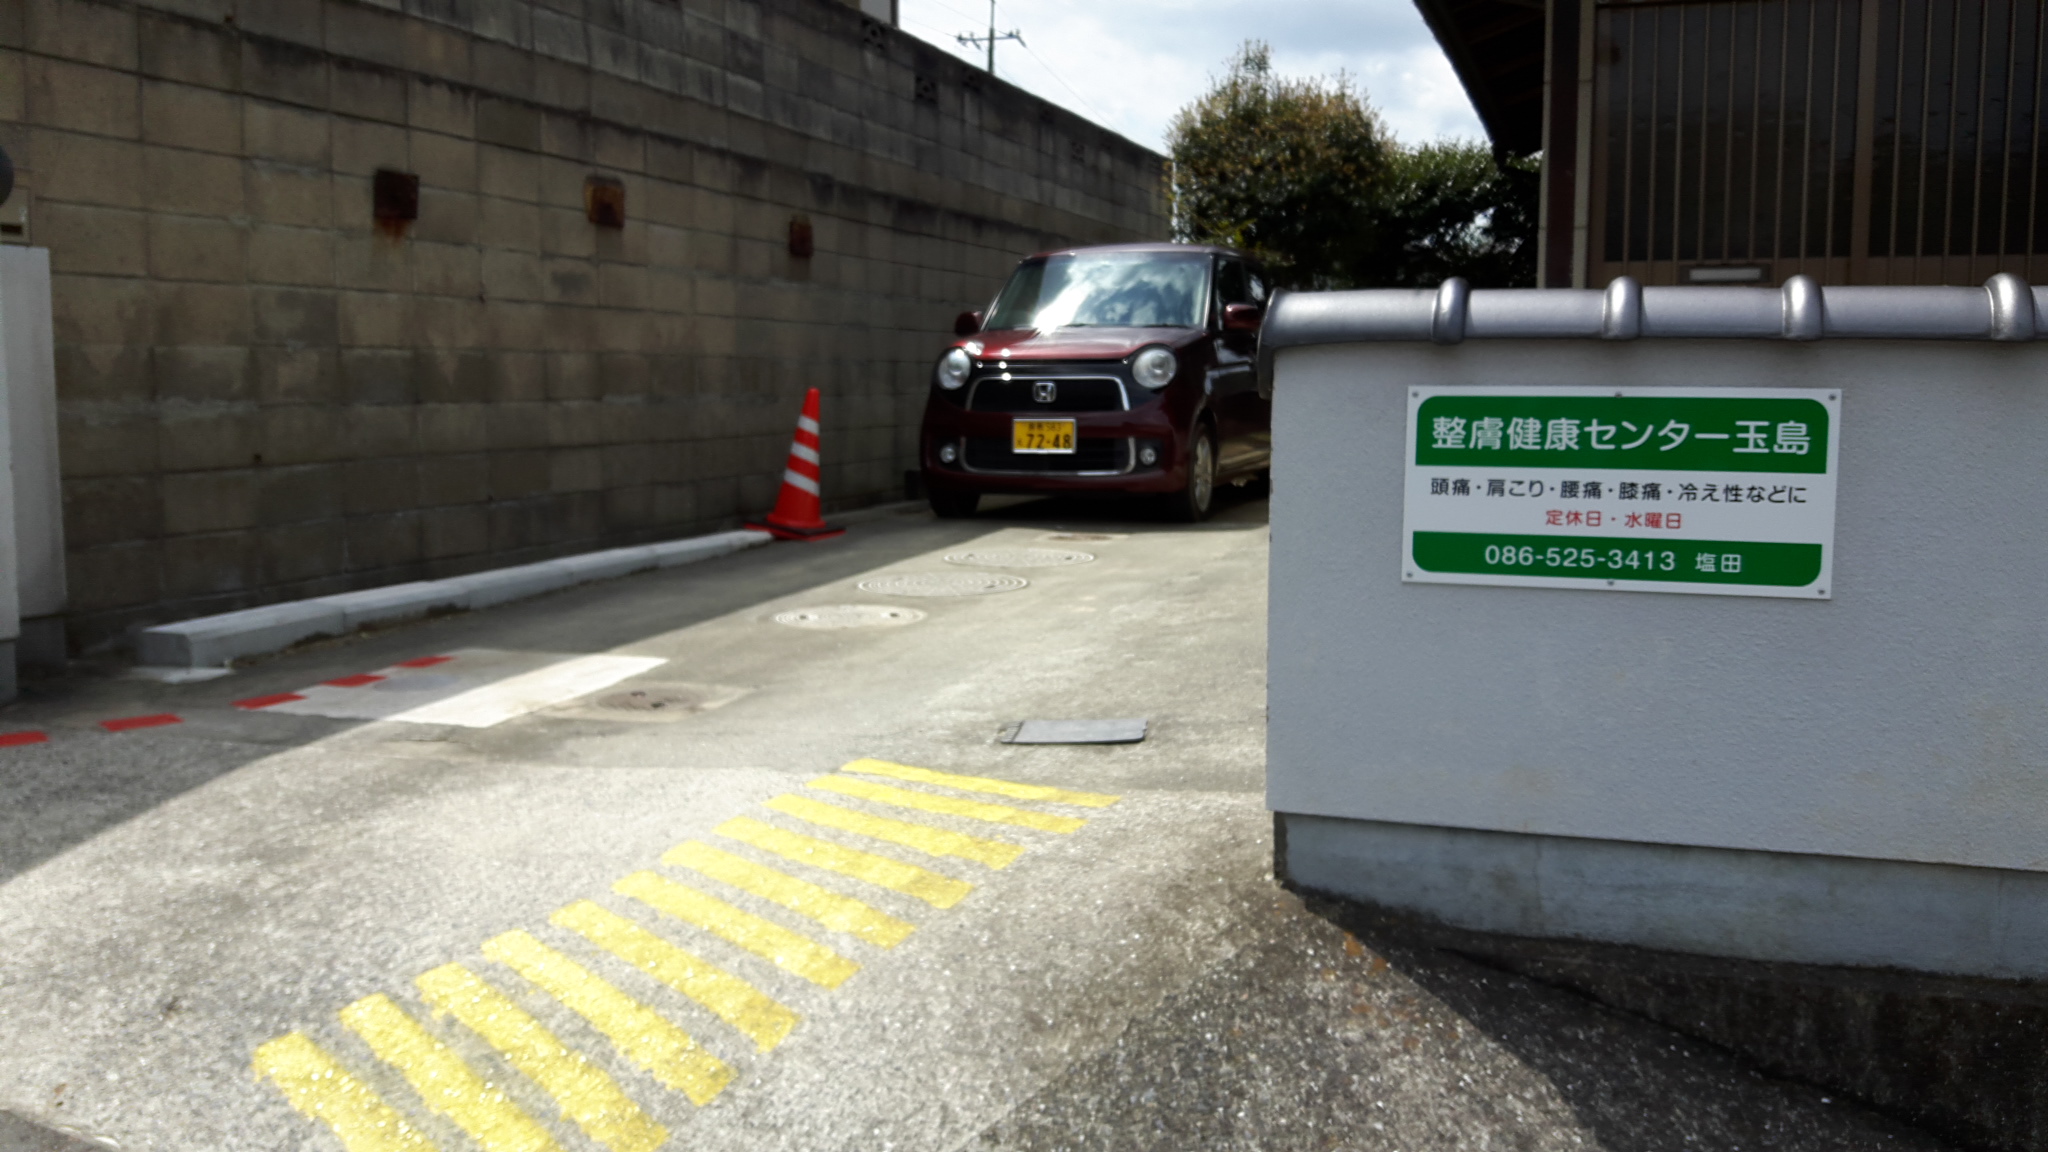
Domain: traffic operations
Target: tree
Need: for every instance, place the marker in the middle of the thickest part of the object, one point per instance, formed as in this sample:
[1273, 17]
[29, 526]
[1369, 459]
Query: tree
[1282, 168]
[1304, 174]
[1454, 208]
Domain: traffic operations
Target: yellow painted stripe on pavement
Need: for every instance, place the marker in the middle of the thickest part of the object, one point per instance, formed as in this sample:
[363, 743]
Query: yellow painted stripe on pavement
[732, 999]
[772, 942]
[588, 1096]
[980, 810]
[840, 913]
[444, 1082]
[930, 887]
[980, 784]
[319, 1087]
[640, 1033]
[922, 837]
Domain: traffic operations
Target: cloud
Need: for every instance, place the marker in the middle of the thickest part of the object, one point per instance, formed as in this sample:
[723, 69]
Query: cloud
[1131, 64]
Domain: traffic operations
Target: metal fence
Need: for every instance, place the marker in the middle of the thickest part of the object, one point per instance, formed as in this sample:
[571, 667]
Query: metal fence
[1857, 141]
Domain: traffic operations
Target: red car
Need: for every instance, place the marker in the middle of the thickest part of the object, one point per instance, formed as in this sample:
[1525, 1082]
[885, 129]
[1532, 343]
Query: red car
[1121, 368]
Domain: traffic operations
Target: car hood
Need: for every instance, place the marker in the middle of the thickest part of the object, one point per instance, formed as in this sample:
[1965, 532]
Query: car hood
[1074, 343]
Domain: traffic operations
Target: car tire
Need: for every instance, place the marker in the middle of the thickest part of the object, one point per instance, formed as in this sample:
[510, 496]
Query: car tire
[1192, 504]
[950, 505]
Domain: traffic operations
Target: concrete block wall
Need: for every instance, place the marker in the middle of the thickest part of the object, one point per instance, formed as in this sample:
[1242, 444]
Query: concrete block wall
[263, 396]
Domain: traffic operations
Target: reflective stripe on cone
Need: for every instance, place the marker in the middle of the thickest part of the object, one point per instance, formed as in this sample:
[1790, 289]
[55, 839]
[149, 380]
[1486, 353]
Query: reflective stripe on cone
[799, 514]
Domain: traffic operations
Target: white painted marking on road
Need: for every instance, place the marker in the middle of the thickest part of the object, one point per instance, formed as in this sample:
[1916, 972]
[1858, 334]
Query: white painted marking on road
[477, 688]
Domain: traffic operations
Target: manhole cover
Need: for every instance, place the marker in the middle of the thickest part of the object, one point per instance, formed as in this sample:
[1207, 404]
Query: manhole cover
[1020, 557]
[1080, 537]
[849, 616]
[943, 583]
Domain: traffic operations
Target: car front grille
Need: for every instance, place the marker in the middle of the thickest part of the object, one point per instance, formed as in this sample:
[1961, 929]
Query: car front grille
[1070, 394]
[1091, 454]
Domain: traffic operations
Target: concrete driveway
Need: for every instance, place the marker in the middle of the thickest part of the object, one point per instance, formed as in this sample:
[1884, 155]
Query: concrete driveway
[732, 857]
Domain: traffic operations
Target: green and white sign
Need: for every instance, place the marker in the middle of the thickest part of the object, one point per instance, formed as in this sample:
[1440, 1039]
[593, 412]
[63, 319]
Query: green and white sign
[1724, 491]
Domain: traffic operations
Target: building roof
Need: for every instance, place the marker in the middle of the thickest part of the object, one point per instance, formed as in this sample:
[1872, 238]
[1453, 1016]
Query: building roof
[1496, 46]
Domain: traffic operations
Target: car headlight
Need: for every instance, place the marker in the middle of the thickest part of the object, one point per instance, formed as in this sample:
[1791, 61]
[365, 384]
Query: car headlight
[953, 368]
[1154, 367]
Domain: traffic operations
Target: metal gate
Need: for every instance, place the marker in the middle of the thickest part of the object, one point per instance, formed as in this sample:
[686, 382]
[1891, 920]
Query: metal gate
[1856, 141]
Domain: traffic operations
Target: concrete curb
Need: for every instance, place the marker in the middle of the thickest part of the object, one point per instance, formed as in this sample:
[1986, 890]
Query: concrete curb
[213, 641]
[875, 512]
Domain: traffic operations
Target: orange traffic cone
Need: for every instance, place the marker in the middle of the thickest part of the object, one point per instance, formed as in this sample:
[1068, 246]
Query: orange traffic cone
[797, 514]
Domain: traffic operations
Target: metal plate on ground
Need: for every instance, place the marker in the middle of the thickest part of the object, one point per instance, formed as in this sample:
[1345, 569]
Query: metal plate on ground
[1020, 557]
[644, 702]
[834, 616]
[1082, 537]
[1076, 732]
[943, 583]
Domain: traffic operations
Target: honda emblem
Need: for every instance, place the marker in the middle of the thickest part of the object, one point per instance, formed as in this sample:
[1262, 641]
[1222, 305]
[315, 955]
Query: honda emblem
[1044, 391]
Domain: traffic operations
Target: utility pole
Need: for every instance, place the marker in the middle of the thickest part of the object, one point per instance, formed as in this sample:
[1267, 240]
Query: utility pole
[991, 38]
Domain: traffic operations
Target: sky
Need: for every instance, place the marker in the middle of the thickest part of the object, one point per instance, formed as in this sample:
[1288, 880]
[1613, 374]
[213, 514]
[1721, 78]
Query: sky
[1129, 65]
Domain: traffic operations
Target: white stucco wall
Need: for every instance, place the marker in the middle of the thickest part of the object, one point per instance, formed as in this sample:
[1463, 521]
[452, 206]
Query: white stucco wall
[1905, 718]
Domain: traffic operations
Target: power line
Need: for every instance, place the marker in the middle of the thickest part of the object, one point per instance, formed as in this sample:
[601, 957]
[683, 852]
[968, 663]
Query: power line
[1092, 109]
[1033, 52]
[939, 34]
[953, 10]
[992, 38]
[942, 33]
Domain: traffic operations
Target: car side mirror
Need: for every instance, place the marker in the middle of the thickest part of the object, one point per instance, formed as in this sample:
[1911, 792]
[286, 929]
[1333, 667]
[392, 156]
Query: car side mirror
[1242, 317]
[967, 324]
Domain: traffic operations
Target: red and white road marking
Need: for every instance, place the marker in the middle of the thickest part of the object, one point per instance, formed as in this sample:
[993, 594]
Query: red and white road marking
[131, 723]
[469, 688]
[255, 702]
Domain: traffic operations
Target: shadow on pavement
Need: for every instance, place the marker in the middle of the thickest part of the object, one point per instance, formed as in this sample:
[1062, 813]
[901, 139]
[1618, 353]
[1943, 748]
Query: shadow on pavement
[56, 795]
[1234, 508]
[1637, 1085]
[19, 1135]
[1329, 1030]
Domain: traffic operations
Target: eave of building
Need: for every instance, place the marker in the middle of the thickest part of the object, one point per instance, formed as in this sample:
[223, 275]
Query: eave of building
[1496, 47]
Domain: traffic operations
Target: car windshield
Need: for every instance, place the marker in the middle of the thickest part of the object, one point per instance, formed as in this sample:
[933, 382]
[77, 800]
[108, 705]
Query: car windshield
[1106, 290]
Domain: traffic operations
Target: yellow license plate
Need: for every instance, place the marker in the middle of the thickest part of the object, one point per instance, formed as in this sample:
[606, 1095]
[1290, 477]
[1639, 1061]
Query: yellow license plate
[1042, 436]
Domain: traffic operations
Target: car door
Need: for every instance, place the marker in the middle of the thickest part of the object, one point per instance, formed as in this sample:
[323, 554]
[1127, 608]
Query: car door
[1258, 416]
[1241, 416]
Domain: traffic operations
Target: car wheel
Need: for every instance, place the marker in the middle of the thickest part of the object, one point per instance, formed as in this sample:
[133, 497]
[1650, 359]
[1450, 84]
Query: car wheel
[1194, 502]
[950, 505]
